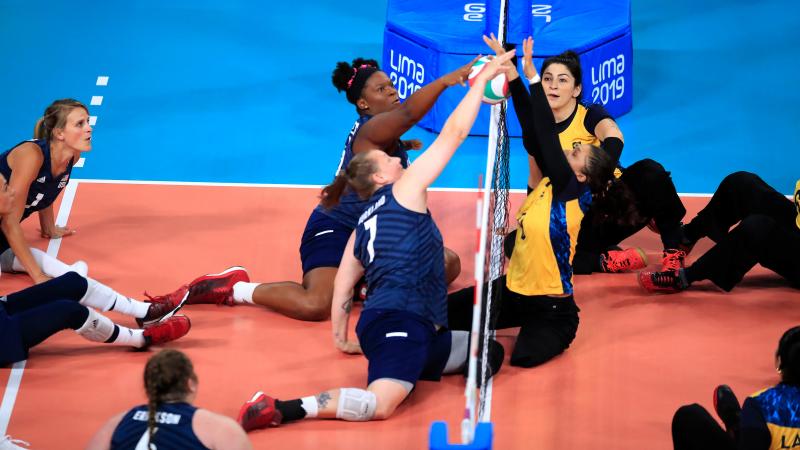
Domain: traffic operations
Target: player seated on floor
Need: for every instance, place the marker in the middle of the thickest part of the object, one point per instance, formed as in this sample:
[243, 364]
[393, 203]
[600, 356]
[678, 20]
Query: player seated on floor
[169, 419]
[767, 233]
[397, 246]
[382, 120]
[768, 419]
[30, 316]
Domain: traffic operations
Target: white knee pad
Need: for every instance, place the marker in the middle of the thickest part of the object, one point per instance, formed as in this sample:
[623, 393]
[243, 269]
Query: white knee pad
[356, 405]
[97, 328]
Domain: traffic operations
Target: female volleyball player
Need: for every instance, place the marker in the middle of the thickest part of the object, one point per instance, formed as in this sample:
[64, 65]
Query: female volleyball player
[169, 419]
[37, 171]
[382, 120]
[647, 195]
[536, 293]
[768, 233]
[768, 419]
[396, 244]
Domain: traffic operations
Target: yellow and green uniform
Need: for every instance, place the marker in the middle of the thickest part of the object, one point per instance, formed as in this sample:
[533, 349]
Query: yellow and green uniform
[576, 129]
[545, 242]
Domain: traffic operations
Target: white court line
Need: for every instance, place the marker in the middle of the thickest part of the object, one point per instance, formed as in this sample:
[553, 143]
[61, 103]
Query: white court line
[102, 81]
[299, 186]
[92, 120]
[17, 369]
[80, 162]
[97, 100]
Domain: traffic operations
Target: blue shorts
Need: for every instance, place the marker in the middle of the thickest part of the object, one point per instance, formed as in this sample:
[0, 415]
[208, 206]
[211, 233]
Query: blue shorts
[402, 345]
[323, 242]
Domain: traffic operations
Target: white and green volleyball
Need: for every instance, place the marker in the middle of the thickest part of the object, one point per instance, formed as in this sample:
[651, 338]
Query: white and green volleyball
[496, 89]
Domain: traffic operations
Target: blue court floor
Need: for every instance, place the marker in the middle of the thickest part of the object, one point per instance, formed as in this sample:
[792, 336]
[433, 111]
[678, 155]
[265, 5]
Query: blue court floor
[239, 91]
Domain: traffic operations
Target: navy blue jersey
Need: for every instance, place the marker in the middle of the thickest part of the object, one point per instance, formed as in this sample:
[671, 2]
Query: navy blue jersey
[173, 429]
[403, 258]
[351, 206]
[45, 188]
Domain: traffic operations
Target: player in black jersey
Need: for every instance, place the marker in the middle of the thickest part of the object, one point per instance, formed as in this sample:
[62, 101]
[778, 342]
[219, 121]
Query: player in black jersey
[169, 420]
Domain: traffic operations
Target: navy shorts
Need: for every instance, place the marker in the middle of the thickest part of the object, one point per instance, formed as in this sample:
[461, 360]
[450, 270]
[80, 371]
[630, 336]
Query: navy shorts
[11, 346]
[323, 242]
[402, 345]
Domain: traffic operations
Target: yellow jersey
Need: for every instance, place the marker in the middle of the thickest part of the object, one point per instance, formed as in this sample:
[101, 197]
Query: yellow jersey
[547, 233]
[576, 132]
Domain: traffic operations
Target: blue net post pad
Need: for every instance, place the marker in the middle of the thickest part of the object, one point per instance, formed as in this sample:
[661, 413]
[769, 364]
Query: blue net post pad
[482, 439]
[424, 40]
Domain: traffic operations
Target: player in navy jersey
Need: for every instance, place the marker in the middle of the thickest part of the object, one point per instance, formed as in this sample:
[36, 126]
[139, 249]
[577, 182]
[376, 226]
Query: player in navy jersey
[30, 316]
[169, 421]
[37, 171]
[403, 329]
[382, 121]
[769, 419]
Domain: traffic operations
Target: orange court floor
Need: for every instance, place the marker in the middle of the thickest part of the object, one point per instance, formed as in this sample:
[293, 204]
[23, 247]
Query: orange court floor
[635, 360]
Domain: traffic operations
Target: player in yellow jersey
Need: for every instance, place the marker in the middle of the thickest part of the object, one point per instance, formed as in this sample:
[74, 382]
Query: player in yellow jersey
[647, 196]
[767, 233]
[768, 419]
[537, 291]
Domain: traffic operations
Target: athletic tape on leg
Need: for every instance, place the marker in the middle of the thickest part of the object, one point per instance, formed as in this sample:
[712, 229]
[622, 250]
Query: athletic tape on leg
[356, 405]
[97, 328]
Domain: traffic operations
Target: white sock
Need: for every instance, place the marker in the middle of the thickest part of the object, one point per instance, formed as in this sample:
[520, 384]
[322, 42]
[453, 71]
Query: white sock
[102, 297]
[129, 336]
[99, 328]
[309, 404]
[243, 292]
[50, 265]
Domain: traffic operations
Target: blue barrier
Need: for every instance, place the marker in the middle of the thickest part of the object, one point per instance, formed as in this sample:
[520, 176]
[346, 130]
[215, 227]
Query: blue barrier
[425, 39]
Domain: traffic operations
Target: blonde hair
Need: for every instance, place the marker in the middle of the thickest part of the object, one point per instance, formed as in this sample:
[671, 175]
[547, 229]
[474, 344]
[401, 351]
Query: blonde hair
[55, 116]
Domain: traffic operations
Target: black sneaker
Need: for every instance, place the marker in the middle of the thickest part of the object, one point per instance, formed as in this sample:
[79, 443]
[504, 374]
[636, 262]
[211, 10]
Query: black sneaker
[496, 355]
[728, 409]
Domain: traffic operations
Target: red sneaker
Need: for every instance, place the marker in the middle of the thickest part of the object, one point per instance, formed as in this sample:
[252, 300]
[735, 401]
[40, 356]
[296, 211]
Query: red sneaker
[616, 261]
[259, 412]
[673, 260]
[668, 282]
[167, 330]
[163, 306]
[216, 288]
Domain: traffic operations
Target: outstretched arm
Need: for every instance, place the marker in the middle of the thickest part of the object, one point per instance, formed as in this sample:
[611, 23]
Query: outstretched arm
[350, 271]
[384, 129]
[410, 189]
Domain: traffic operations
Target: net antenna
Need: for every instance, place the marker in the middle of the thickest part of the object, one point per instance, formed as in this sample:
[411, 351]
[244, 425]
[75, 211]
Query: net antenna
[492, 212]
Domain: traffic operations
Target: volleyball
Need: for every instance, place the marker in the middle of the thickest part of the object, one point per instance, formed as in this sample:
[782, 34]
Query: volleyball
[496, 89]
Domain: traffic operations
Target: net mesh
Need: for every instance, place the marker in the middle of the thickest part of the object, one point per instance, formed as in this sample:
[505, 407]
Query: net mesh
[495, 261]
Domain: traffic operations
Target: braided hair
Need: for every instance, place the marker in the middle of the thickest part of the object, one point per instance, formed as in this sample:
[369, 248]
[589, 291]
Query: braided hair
[55, 116]
[166, 379]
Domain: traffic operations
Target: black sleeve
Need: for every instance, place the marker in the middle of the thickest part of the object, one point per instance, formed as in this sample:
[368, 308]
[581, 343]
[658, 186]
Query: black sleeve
[754, 434]
[613, 146]
[539, 136]
[594, 114]
[522, 105]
